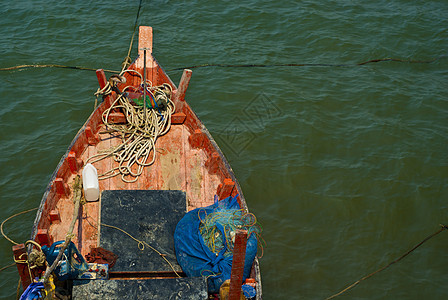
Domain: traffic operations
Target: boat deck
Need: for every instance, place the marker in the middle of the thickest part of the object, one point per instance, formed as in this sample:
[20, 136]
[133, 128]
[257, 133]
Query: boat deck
[187, 160]
[178, 166]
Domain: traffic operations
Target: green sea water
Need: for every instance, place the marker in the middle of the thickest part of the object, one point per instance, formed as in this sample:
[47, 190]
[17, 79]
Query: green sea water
[345, 167]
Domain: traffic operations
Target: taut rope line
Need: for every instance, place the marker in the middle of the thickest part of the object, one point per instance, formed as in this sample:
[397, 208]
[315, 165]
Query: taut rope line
[7, 267]
[443, 227]
[128, 60]
[53, 66]
[388, 59]
[208, 65]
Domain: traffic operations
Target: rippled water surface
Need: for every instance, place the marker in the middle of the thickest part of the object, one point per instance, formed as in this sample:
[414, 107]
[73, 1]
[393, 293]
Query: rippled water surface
[345, 167]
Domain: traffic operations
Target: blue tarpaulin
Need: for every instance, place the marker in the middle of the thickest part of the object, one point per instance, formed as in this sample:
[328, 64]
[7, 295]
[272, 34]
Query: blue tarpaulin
[196, 259]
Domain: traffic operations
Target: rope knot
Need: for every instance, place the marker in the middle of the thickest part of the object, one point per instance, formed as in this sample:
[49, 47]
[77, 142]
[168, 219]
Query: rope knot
[69, 237]
[37, 258]
[106, 90]
[141, 245]
[126, 62]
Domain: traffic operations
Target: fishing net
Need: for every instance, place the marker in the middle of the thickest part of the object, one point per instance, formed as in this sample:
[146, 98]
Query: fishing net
[203, 240]
[230, 220]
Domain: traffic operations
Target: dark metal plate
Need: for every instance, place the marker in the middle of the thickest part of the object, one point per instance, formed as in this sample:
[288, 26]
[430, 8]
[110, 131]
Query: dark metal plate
[147, 215]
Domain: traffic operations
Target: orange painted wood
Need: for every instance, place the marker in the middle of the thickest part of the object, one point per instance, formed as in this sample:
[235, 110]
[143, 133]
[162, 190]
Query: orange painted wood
[162, 77]
[117, 118]
[54, 216]
[102, 81]
[178, 118]
[135, 80]
[239, 255]
[106, 164]
[183, 85]
[145, 41]
[74, 163]
[170, 161]
[195, 175]
[101, 76]
[43, 238]
[95, 119]
[92, 137]
[64, 171]
[62, 188]
[50, 203]
[120, 118]
[80, 163]
[88, 234]
[213, 163]
[192, 120]
[197, 139]
[225, 189]
[80, 144]
[20, 254]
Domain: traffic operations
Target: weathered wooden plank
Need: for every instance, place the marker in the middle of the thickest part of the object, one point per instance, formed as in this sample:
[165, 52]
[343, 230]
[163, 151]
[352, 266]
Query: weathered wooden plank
[183, 85]
[178, 118]
[145, 41]
[239, 255]
[116, 183]
[20, 256]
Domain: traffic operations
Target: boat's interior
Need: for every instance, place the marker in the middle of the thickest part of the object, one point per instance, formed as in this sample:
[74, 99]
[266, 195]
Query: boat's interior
[189, 171]
[187, 159]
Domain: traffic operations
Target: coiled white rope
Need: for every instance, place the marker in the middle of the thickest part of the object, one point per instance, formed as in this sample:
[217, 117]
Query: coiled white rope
[138, 135]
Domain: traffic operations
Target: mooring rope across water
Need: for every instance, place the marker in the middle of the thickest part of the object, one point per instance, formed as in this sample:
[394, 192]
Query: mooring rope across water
[53, 66]
[9, 218]
[443, 227]
[223, 65]
[128, 60]
[410, 61]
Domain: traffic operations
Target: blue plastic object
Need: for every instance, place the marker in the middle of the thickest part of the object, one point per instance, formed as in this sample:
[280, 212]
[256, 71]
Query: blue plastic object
[72, 263]
[33, 291]
[248, 291]
[196, 259]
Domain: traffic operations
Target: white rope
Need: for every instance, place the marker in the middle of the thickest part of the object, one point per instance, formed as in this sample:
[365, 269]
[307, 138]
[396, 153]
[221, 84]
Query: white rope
[138, 135]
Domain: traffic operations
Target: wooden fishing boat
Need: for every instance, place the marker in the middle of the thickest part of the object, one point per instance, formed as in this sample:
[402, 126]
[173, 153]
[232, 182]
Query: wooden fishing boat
[188, 167]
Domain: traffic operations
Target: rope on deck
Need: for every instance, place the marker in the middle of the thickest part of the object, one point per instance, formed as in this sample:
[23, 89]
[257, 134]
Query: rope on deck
[139, 134]
[141, 246]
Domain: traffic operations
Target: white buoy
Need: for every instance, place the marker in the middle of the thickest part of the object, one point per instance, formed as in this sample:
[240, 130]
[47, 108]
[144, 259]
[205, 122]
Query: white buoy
[90, 183]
